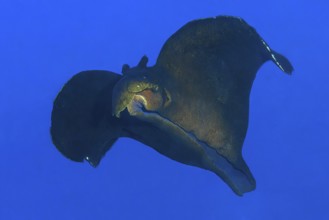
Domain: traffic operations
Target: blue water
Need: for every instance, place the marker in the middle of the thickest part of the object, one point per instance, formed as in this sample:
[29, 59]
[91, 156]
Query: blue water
[44, 43]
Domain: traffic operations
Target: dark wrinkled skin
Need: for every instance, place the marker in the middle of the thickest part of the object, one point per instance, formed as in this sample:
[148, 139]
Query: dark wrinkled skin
[191, 106]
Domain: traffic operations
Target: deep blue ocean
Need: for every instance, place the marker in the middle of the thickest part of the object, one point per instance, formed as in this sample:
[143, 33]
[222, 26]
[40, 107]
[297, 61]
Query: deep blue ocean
[44, 43]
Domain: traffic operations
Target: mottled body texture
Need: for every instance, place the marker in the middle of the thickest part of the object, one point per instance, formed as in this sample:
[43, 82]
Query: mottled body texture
[191, 106]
